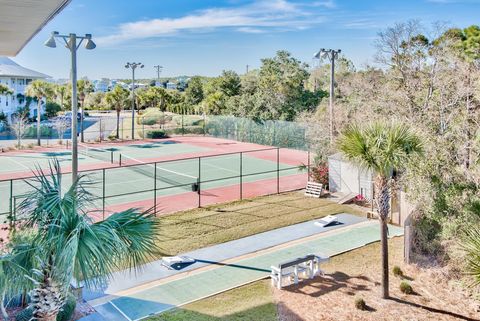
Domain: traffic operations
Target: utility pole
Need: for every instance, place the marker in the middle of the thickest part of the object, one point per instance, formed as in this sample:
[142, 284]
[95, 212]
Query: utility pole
[159, 70]
[133, 66]
[330, 54]
[247, 68]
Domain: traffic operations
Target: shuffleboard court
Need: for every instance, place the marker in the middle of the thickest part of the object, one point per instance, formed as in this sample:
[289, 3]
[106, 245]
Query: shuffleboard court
[141, 302]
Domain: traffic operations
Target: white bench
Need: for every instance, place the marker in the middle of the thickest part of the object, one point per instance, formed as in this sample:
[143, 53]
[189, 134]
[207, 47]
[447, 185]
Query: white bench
[308, 266]
[313, 189]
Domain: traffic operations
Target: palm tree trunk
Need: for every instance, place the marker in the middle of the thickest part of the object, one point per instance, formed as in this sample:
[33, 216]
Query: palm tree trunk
[47, 299]
[384, 242]
[118, 123]
[382, 200]
[39, 104]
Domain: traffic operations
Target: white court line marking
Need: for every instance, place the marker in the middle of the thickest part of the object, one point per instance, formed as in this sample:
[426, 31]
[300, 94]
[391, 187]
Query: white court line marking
[121, 312]
[17, 162]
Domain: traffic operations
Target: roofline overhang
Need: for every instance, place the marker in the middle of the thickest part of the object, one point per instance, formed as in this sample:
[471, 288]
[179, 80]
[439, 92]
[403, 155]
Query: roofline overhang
[44, 23]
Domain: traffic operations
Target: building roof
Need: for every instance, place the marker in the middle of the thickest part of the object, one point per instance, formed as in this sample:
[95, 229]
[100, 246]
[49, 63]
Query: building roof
[9, 68]
[21, 20]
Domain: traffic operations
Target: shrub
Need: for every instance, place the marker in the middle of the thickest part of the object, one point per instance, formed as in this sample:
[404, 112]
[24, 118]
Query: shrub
[158, 133]
[406, 288]
[397, 271]
[360, 304]
[319, 174]
[68, 308]
[51, 109]
[188, 130]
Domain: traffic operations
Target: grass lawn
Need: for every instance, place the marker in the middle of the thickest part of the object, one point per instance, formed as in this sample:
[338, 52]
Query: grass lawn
[193, 229]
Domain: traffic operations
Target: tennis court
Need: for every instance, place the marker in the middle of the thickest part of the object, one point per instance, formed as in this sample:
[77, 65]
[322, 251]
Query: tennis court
[168, 175]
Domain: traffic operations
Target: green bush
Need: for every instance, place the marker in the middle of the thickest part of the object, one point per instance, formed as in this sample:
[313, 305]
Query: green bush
[158, 133]
[24, 315]
[52, 109]
[188, 130]
[397, 271]
[360, 304]
[68, 308]
[188, 120]
[406, 288]
[45, 131]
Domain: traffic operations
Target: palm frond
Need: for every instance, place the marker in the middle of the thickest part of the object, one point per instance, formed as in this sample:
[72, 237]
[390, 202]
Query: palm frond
[471, 246]
[380, 147]
[124, 240]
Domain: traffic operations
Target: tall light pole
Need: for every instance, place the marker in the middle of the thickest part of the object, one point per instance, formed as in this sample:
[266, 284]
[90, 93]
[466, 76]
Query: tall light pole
[72, 45]
[159, 70]
[331, 54]
[133, 66]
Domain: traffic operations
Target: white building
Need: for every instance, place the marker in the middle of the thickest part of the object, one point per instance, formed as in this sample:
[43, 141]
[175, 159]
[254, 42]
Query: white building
[101, 85]
[16, 78]
[171, 85]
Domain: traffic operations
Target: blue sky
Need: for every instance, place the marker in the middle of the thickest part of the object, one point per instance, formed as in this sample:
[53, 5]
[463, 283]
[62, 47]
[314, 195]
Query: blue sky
[190, 37]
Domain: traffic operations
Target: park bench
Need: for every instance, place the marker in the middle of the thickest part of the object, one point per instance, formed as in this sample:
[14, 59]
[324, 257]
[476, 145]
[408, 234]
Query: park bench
[308, 266]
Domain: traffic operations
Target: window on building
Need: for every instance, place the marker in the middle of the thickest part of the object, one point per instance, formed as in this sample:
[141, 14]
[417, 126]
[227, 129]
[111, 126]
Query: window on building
[28, 81]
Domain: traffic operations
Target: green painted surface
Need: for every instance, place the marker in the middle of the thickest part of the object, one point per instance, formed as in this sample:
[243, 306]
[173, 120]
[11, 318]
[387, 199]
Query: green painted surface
[203, 284]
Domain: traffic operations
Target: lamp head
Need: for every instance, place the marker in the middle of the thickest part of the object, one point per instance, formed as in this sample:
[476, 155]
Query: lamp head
[51, 43]
[141, 66]
[89, 44]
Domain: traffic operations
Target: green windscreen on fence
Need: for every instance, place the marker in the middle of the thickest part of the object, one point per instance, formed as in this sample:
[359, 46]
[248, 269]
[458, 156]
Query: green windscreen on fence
[277, 133]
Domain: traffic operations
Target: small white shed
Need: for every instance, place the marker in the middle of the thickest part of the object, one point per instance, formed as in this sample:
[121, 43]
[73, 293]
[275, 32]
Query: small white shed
[346, 178]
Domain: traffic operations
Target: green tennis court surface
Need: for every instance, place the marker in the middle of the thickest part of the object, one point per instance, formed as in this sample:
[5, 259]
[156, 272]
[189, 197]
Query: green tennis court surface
[27, 161]
[195, 286]
[138, 180]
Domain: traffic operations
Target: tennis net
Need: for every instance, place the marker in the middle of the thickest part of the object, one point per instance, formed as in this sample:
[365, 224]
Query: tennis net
[166, 175]
[97, 153]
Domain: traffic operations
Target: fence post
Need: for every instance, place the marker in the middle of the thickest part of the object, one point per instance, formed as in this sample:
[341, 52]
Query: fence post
[183, 126]
[100, 130]
[204, 124]
[278, 170]
[11, 204]
[155, 189]
[274, 133]
[143, 127]
[121, 125]
[103, 191]
[241, 175]
[308, 166]
[199, 182]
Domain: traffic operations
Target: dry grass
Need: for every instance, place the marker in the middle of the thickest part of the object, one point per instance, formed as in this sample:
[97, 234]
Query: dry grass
[194, 229]
[357, 274]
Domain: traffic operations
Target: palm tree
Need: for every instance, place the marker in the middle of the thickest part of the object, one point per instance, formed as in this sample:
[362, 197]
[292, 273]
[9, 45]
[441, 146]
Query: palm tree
[5, 90]
[383, 148]
[68, 245]
[40, 90]
[60, 93]
[84, 87]
[117, 98]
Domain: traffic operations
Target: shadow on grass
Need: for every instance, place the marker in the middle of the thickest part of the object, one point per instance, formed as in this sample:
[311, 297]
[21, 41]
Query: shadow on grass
[331, 283]
[434, 310]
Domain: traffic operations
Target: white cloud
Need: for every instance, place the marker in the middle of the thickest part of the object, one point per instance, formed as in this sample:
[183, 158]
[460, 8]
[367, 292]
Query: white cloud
[253, 18]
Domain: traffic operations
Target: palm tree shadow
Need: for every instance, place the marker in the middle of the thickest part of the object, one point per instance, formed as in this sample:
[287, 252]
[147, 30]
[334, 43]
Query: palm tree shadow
[434, 310]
